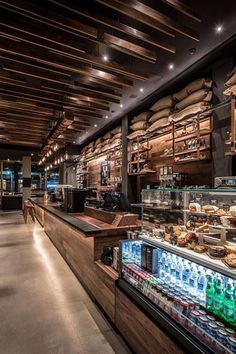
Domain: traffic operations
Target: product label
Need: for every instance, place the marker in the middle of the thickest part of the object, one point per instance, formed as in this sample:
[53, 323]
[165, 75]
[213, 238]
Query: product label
[228, 312]
[200, 286]
[217, 305]
[177, 274]
[191, 282]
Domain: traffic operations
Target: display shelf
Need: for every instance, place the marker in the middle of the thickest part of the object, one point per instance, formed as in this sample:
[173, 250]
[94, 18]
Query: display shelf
[192, 135]
[203, 148]
[190, 160]
[136, 162]
[141, 150]
[202, 259]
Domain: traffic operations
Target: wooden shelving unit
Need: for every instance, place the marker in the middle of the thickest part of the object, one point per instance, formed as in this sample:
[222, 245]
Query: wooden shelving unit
[232, 139]
[201, 137]
[138, 155]
[82, 174]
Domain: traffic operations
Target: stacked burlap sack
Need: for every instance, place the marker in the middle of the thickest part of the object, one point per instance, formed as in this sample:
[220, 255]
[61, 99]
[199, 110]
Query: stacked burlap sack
[195, 98]
[231, 83]
[139, 125]
[160, 118]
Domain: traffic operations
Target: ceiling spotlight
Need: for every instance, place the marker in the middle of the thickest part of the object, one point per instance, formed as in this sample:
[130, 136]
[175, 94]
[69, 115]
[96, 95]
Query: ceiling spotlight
[105, 58]
[106, 117]
[171, 66]
[121, 105]
[74, 142]
[32, 154]
[219, 29]
[95, 125]
[141, 89]
[8, 159]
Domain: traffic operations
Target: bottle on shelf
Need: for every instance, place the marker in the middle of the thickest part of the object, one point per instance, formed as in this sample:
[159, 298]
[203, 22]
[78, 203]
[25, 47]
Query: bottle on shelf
[167, 268]
[193, 278]
[228, 304]
[210, 292]
[185, 276]
[218, 300]
[162, 265]
[173, 266]
[178, 273]
[201, 286]
[138, 254]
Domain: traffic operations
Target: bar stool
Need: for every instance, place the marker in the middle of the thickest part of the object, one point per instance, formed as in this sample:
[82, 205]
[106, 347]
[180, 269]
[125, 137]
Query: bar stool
[28, 209]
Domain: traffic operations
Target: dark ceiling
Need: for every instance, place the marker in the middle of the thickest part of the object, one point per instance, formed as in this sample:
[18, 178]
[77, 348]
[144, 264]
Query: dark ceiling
[52, 59]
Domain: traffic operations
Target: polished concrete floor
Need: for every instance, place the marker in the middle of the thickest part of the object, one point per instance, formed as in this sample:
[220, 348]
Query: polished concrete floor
[43, 307]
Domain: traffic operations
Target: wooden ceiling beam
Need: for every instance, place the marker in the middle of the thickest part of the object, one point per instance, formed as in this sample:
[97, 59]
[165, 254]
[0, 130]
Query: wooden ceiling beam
[34, 11]
[37, 39]
[183, 8]
[144, 13]
[21, 142]
[116, 25]
[129, 48]
[137, 16]
[17, 122]
[58, 62]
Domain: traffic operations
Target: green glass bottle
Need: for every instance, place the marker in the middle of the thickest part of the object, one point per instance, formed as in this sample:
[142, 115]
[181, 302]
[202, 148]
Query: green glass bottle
[210, 292]
[218, 301]
[229, 304]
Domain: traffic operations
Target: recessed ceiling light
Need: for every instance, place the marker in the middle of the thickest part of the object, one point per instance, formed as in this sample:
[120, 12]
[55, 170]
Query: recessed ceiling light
[121, 105]
[95, 125]
[8, 159]
[106, 117]
[171, 66]
[32, 154]
[219, 28]
[74, 142]
[105, 58]
[141, 89]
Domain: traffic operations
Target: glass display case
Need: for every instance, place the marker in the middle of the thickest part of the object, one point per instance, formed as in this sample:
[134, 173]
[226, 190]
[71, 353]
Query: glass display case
[182, 268]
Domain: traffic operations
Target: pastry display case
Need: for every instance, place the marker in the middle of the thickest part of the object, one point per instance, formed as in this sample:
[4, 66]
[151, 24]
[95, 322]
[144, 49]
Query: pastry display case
[182, 266]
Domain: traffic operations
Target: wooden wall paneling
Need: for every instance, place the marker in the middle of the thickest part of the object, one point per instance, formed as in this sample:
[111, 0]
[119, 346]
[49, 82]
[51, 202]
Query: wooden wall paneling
[142, 334]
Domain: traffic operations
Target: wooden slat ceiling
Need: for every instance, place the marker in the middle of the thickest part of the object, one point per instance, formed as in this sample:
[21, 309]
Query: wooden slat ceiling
[51, 60]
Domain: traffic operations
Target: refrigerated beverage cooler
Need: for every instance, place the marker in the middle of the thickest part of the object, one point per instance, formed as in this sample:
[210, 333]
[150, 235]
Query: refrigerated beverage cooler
[181, 268]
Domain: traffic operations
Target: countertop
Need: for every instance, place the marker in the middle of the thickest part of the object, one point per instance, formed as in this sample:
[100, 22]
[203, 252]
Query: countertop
[87, 225]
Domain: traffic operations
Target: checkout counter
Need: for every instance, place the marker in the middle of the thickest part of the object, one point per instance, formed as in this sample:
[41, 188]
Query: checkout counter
[80, 238]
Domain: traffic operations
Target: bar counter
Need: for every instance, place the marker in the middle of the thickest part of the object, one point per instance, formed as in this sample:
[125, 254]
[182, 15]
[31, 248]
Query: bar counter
[80, 240]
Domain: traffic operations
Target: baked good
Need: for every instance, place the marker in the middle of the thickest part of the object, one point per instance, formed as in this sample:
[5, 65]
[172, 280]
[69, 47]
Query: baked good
[231, 260]
[194, 207]
[217, 251]
[221, 212]
[177, 232]
[181, 241]
[200, 249]
[191, 236]
[233, 210]
[210, 209]
[203, 228]
[230, 249]
[192, 245]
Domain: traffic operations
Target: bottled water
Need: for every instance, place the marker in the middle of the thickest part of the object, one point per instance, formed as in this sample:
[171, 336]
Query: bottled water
[193, 277]
[162, 265]
[173, 266]
[138, 254]
[178, 273]
[201, 286]
[185, 275]
[167, 268]
[133, 255]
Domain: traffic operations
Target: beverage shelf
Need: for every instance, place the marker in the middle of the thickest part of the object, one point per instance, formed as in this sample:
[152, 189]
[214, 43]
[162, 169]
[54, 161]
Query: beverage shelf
[192, 135]
[202, 259]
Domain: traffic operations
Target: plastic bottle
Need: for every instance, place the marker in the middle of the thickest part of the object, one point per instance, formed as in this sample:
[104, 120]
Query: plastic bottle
[162, 265]
[133, 256]
[201, 286]
[138, 254]
[173, 266]
[228, 304]
[167, 268]
[186, 275]
[218, 301]
[178, 273]
[210, 292]
[193, 277]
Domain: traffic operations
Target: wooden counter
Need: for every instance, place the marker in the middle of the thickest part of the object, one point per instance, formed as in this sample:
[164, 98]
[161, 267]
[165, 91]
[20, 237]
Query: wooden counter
[80, 240]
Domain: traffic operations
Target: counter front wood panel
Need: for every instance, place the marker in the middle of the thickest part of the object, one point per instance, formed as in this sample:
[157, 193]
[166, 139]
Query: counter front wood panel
[141, 333]
[81, 253]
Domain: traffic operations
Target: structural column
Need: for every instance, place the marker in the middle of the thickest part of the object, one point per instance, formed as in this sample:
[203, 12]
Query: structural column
[124, 130]
[26, 177]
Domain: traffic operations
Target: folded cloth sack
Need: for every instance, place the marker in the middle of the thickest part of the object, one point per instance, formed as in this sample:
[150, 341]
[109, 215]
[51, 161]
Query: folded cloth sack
[107, 136]
[190, 111]
[115, 142]
[136, 134]
[139, 125]
[116, 136]
[160, 123]
[230, 90]
[141, 117]
[106, 147]
[165, 102]
[97, 150]
[231, 78]
[98, 141]
[197, 96]
[90, 145]
[161, 114]
[192, 87]
[116, 130]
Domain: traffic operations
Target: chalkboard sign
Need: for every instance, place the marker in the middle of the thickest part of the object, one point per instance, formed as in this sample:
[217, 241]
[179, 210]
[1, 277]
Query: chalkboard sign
[105, 172]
